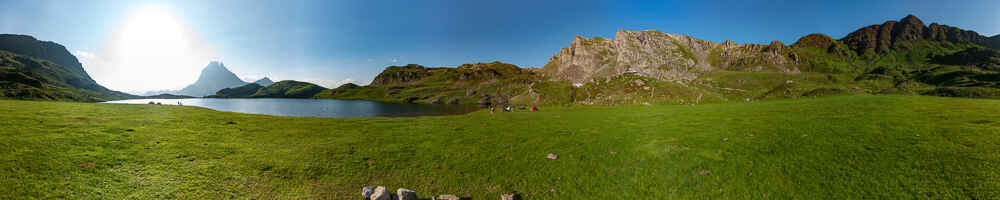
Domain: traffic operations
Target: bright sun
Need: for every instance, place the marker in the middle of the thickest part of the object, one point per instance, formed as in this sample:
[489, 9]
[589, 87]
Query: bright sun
[151, 50]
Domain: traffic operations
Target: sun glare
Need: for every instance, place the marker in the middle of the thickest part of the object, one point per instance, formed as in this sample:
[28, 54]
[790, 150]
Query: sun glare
[152, 50]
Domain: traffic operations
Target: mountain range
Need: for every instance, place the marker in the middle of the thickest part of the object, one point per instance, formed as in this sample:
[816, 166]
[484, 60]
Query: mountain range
[895, 57]
[635, 67]
[214, 77]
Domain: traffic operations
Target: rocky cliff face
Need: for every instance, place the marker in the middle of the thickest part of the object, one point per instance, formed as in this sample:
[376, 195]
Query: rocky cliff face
[822, 42]
[893, 35]
[663, 56]
[401, 74]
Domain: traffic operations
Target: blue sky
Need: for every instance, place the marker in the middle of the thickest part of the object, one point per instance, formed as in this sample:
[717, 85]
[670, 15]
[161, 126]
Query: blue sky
[330, 42]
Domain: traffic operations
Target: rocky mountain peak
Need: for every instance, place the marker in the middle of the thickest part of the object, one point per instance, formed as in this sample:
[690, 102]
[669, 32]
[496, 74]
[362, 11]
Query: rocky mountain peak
[214, 77]
[660, 55]
[910, 19]
[876, 39]
[910, 28]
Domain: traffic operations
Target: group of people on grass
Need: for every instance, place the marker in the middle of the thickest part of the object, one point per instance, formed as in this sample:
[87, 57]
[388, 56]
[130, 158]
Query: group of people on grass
[508, 108]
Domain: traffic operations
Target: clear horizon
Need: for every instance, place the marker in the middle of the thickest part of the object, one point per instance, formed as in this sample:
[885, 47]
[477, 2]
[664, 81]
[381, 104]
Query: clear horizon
[138, 46]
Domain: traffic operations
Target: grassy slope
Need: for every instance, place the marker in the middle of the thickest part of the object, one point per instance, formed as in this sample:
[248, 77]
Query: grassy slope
[872, 147]
[23, 77]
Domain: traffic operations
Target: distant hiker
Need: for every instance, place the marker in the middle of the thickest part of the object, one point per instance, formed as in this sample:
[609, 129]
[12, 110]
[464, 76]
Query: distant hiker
[179, 103]
[534, 108]
[492, 108]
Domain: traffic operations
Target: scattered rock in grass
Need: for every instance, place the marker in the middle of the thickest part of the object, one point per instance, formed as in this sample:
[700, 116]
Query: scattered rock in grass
[552, 156]
[725, 139]
[406, 194]
[507, 197]
[230, 123]
[129, 130]
[613, 152]
[704, 172]
[804, 135]
[751, 134]
[552, 190]
[367, 192]
[763, 195]
[89, 165]
[447, 197]
[749, 173]
[380, 194]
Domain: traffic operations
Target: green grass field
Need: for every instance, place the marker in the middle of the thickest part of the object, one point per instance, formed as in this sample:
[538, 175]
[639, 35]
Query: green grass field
[842, 147]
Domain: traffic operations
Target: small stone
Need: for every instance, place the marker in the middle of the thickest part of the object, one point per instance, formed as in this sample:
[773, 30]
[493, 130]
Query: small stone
[749, 173]
[381, 194]
[507, 197]
[751, 134]
[447, 197]
[804, 135]
[406, 194]
[552, 190]
[552, 156]
[725, 139]
[367, 192]
[705, 172]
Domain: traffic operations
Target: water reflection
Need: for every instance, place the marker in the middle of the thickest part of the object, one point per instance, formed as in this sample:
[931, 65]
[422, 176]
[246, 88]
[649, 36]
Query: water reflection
[313, 107]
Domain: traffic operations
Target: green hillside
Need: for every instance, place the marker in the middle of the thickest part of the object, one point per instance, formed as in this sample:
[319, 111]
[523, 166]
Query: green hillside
[43, 70]
[282, 89]
[843, 147]
[480, 83]
[23, 77]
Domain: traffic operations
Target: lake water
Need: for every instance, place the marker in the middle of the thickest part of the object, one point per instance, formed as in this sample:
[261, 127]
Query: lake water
[314, 107]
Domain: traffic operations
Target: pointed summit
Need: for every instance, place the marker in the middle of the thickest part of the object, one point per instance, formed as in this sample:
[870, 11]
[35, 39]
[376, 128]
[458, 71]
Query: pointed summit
[910, 19]
[264, 82]
[213, 78]
[910, 28]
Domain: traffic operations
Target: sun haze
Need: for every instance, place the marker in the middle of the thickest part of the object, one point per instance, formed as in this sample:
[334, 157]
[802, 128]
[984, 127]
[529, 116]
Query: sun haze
[150, 49]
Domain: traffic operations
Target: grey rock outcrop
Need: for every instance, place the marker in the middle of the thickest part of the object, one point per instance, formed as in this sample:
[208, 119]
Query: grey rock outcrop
[367, 192]
[663, 56]
[381, 194]
[406, 194]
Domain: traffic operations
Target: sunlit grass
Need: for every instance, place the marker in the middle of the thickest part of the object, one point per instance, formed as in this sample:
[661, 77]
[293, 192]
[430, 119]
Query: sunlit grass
[845, 147]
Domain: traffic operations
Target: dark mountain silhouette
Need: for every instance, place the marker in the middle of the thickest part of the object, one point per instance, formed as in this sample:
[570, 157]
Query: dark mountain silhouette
[281, 89]
[894, 35]
[213, 78]
[34, 69]
[264, 82]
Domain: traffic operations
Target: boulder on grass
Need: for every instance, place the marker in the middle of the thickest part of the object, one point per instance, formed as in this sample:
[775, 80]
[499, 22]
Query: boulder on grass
[406, 194]
[381, 194]
[367, 192]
